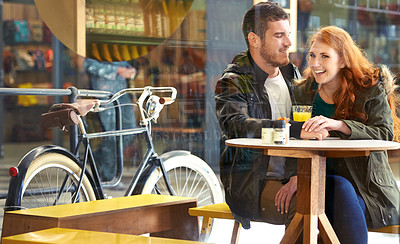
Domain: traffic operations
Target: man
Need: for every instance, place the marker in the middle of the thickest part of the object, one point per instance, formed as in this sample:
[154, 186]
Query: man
[111, 76]
[255, 89]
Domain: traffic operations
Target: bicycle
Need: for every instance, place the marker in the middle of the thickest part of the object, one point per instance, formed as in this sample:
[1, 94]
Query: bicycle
[53, 175]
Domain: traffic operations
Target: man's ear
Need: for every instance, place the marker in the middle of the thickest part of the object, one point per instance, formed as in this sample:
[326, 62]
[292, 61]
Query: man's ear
[254, 40]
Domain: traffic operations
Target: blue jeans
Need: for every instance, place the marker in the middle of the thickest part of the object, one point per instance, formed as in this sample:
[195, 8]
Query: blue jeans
[345, 210]
[105, 155]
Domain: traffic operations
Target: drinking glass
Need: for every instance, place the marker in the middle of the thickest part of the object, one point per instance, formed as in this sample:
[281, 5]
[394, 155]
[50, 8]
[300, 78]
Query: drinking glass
[301, 113]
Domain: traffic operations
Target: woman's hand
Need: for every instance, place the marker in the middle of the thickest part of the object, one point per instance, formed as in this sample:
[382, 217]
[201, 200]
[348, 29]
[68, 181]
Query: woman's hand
[319, 135]
[320, 123]
[285, 195]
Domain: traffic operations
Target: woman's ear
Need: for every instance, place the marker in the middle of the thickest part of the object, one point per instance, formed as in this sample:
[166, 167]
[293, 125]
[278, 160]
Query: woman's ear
[342, 65]
[253, 40]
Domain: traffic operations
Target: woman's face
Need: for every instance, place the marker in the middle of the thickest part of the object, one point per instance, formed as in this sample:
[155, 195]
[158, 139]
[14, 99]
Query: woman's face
[325, 64]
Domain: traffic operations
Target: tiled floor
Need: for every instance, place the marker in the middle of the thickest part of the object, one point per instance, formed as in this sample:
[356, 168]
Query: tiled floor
[259, 233]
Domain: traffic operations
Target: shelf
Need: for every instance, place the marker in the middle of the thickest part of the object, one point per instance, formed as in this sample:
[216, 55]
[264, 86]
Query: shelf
[123, 39]
[20, 1]
[33, 71]
[28, 44]
[139, 40]
[367, 9]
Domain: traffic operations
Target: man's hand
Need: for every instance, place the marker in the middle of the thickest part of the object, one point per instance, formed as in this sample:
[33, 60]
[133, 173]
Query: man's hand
[319, 123]
[319, 135]
[127, 73]
[285, 195]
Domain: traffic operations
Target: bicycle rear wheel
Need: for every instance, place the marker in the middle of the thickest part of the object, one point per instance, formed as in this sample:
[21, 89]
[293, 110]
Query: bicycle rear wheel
[51, 179]
[189, 176]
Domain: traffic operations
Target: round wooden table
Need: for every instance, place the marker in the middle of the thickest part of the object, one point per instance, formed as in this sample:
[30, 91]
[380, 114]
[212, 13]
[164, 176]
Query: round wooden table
[311, 166]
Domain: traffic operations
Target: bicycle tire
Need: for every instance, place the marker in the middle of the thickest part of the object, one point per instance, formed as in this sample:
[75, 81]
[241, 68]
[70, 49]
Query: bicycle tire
[44, 177]
[189, 176]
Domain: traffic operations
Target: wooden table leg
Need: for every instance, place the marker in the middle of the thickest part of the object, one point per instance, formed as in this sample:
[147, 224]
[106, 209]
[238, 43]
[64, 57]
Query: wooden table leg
[326, 231]
[310, 203]
[293, 231]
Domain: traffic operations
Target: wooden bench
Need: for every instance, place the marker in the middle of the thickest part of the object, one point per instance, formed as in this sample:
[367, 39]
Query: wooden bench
[222, 211]
[159, 215]
[73, 236]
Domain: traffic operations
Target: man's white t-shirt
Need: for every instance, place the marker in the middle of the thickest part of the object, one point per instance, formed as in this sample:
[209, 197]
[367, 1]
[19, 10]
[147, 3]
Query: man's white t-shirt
[279, 99]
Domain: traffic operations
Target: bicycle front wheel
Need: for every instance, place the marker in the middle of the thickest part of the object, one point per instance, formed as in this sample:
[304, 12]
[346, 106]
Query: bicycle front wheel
[52, 179]
[189, 176]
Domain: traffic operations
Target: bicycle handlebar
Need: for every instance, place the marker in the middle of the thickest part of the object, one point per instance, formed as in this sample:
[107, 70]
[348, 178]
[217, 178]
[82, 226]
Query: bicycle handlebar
[146, 93]
[148, 90]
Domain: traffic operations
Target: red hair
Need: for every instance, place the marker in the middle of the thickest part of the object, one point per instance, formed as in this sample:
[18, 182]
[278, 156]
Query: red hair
[358, 72]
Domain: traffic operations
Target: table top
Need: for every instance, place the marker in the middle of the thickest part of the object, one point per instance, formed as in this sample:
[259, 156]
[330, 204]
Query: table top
[329, 144]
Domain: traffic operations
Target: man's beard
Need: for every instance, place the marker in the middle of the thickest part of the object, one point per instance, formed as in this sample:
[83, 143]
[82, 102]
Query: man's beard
[272, 58]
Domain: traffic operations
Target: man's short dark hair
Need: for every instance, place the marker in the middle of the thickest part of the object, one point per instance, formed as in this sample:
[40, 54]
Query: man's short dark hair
[259, 15]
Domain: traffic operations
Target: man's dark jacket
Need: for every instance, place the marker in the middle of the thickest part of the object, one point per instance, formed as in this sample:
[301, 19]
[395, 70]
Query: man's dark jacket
[243, 109]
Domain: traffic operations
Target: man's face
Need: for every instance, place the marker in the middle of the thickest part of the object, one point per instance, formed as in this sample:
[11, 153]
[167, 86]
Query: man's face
[275, 46]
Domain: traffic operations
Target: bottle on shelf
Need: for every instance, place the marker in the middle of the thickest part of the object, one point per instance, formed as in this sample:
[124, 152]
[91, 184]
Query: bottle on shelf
[138, 19]
[146, 7]
[89, 16]
[109, 11]
[165, 19]
[173, 24]
[99, 17]
[130, 18]
[120, 24]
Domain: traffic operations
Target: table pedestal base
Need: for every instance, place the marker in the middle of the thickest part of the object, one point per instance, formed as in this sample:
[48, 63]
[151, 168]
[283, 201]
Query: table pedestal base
[310, 216]
[311, 223]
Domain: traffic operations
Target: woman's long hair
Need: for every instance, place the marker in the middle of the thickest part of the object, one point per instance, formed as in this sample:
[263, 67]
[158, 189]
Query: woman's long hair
[358, 73]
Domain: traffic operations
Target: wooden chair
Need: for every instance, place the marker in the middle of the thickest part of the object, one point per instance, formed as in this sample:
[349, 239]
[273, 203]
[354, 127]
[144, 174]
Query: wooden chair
[218, 211]
[222, 211]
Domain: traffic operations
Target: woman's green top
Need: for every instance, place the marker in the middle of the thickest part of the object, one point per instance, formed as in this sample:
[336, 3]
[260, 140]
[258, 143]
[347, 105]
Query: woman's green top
[333, 166]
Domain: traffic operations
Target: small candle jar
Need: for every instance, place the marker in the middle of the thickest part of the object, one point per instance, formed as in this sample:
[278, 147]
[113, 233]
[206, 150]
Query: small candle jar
[280, 132]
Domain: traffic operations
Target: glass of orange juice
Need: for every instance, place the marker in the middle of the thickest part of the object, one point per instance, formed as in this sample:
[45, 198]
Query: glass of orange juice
[301, 113]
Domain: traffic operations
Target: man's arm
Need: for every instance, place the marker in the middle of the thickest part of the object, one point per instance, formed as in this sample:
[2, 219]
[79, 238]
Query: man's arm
[232, 109]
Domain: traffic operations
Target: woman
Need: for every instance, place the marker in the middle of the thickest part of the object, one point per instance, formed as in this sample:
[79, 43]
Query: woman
[350, 99]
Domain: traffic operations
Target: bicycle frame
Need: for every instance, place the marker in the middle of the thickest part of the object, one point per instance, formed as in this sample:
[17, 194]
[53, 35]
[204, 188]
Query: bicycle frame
[145, 128]
[37, 172]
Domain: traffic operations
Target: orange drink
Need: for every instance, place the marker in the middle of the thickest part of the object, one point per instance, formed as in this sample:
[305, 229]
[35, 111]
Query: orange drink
[301, 113]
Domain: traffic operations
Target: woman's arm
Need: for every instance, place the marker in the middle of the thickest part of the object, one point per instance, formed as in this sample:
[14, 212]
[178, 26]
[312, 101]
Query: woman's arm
[379, 123]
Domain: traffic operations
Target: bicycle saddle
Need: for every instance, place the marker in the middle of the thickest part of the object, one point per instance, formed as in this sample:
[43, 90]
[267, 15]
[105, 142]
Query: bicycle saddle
[65, 114]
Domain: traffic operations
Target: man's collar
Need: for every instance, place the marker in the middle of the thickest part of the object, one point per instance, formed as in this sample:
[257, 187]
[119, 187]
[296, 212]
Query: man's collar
[259, 75]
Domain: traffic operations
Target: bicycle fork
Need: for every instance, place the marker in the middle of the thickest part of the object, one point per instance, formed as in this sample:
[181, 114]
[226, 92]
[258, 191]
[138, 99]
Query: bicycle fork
[166, 179]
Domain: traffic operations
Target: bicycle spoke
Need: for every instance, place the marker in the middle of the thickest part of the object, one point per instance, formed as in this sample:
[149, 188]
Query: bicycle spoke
[53, 182]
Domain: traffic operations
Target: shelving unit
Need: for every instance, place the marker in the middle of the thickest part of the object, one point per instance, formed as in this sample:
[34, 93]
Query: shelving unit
[24, 66]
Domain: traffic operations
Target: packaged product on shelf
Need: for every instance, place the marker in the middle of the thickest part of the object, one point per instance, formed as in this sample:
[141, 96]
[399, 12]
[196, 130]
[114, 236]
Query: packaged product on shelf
[89, 16]
[120, 25]
[109, 11]
[105, 53]
[22, 33]
[115, 53]
[99, 18]
[36, 28]
[124, 51]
